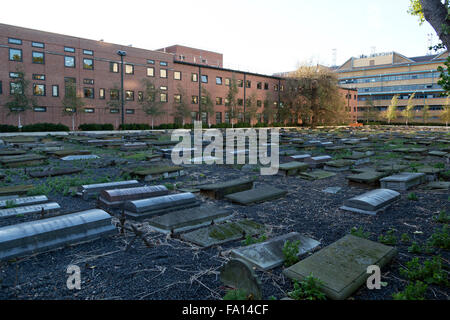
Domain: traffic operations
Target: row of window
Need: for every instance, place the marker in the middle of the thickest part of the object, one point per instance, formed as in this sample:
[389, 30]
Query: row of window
[401, 108]
[412, 87]
[404, 96]
[433, 74]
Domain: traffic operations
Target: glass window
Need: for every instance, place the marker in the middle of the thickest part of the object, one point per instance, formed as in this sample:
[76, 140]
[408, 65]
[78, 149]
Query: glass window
[69, 49]
[114, 67]
[89, 110]
[204, 78]
[40, 109]
[129, 95]
[14, 75]
[14, 41]
[240, 83]
[114, 110]
[248, 84]
[194, 100]
[177, 98]
[88, 81]
[163, 73]
[101, 93]
[219, 101]
[55, 90]
[227, 81]
[38, 89]
[177, 75]
[114, 94]
[38, 57]
[15, 87]
[259, 85]
[39, 77]
[129, 69]
[219, 80]
[140, 96]
[163, 88]
[218, 117]
[266, 86]
[150, 72]
[129, 111]
[88, 52]
[15, 54]
[69, 62]
[1, 88]
[163, 97]
[194, 77]
[150, 61]
[88, 64]
[88, 93]
[275, 87]
[163, 63]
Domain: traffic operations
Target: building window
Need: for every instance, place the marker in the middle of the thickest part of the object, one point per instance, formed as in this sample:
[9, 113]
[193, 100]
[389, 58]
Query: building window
[88, 52]
[218, 101]
[14, 41]
[248, 83]
[227, 82]
[140, 96]
[38, 89]
[163, 88]
[40, 109]
[129, 69]
[114, 67]
[258, 103]
[227, 117]
[129, 95]
[69, 49]
[204, 78]
[129, 111]
[150, 72]
[281, 88]
[177, 98]
[219, 80]
[194, 77]
[240, 83]
[240, 102]
[114, 110]
[218, 117]
[15, 54]
[259, 85]
[194, 100]
[101, 94]
[15, 88]
[177, 75]
[38, 57]
[69, 62]
[163, 63]
[39, 77]
[14, 75]
[88, 81]
[89, 110]
[114, 94]
[55, 90]
[37, 45]
[150, 61]
[88, 93]
[227, 102]
[163, 73]
[163, 97]
[275, 87]
[70, 110]
[266, 86]
[88, 64]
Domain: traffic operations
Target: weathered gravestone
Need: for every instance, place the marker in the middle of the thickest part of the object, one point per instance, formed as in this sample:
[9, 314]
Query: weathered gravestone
[369, 177]
[318, 162]
[15, 190]
[300, 157]
[157, 172]
[222, 233]
[54, 172]
[438, 185]
[17, 161]
[221, 189]
[402, 181]
[115, 198]
[259, 194]
[16, 201]
[80, 157]
[332, 190]
[65, 153]
[371, 202]
[338, 165]
[269, 254]
[92, 190]
[432, 174]
[41, 235]
[50, 207]
[187, 219]
[146, 208]
[342, 266]
[239, 275]
[293, 168]
[317, 175]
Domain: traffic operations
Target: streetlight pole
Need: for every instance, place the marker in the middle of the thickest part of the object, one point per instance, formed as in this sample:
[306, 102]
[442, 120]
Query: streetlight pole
[122, 54]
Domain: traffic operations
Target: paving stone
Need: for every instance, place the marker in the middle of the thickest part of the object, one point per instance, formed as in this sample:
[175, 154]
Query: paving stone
[92, 190]
[371, 202]
[402, 181]
[259, 194]
[222, 233]
[42, 235]
[187, 219]
[238, 274]
[16, 201]
[293, 168]
[115, 198]
[317, 175]
[221, 189]
[54, 172]
[50, 207]
[269, 254]
[147, 208]
[342, 266]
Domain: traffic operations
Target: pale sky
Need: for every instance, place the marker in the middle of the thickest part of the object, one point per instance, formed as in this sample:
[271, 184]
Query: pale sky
[263, 36]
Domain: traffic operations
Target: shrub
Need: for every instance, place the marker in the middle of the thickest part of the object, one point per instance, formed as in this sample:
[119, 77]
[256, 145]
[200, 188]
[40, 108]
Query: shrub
[441, 238]
[414, 291]
[135, 126]
[431, 272]
[389, 238]
[307, 289]
[290, 252]
[8, 128]
[443, 217]
[96, 127]
[236, 295]
[45, 127]
[359, 233]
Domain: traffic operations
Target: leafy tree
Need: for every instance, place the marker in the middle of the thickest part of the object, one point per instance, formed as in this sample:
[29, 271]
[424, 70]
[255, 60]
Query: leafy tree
[269, 109]
[369, 109]
[391, 112]
[425, 113]
[182, 107]
[445, 114]
[408, 113]
[152, 106]
[232, 100]
[251, 108]
[207, 104]
[72, 102]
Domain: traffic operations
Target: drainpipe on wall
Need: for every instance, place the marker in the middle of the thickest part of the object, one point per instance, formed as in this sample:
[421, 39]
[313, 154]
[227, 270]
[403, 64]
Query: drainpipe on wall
[200, 94]
[245, 87]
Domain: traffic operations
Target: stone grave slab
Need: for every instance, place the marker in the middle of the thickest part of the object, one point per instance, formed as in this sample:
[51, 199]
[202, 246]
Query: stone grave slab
[80, 157]
[158, 172]
[391, 168]
[402, 181]
[300, 157]
[342, 266]
[115, 198]
[187, 219]
[269, 254]
[438, 185]
[65, 153]
[50, 207]
[239, 275]
[371, 177]
[222, 233]
[153, 157]
[54, 172]
[221, 189]
[42, 235]
[432, 173]
[10, 197]
[437, 153]
[92, 190]
[15, 190]
[22, 201]
[17, 152]
[147, 208]
[257, 195]
[134, 146]
[371, 202]
[318, 162]
[317, 175]
[338, 165]
[293, 168]
[20, 160]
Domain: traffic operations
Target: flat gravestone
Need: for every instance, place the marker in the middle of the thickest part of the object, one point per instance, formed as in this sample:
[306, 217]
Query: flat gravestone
[17, 161]
[319, 161]
[317, 175]
[146, 208]
[438, 153]
[187, 219]
[332, 190]
[342, 266]
[80, 157]
[158, 172]
[91, 190]
[338, 165]
[115, 198]
[293, 167]
[439, 185]
[367, 177]
[22, 201]
[54, 172]
[15, 190]
[269, 254]
[221, 189]
[260, 194]
[392, 168]
[300, 157]
[239, 275]
[371, 202]
[32, 209]
[402, 181]
[222, 233]
[64, 153]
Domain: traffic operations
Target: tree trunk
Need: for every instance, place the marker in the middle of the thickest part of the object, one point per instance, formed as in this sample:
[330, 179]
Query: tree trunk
[152, 123]
[435, 13]
[20, 124]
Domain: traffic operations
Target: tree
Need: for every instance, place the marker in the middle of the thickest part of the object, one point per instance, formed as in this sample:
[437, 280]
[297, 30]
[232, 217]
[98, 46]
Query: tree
[231, 101]
[151, 106]
[182, 106]
[425, 113]
[391, 112]
[251, 108]
[445, 114]
[20, 100]
[72, 102]
[207, 104]
[408, 113]
[269, 109]
[369, 110]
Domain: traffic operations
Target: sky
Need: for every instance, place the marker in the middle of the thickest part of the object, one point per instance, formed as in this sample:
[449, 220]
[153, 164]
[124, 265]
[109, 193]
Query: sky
[262, 36]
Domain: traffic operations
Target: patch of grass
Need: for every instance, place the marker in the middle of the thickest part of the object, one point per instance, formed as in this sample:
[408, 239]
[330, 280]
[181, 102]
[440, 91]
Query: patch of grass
[443, 217]
[412, 196]
[307, 289]
[389, 238]
[359, 233]
[290, 252]
[441, 238]
[413, 291]
[431, 271]
[10, 204]
[405, 238]
[252, 240]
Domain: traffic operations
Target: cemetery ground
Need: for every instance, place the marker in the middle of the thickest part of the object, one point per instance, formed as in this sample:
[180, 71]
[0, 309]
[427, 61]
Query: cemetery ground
[138, 261]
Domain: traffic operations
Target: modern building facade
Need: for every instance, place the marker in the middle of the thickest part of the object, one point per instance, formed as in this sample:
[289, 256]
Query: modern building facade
[379, 77]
